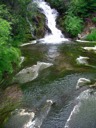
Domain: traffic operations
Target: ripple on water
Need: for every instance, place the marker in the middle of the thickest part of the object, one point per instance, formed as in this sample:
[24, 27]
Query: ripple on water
[83, 114]
[62, 90]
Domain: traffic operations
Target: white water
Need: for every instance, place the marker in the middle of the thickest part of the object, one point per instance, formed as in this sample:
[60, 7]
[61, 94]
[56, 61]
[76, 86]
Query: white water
[37, 122]
[56, 35]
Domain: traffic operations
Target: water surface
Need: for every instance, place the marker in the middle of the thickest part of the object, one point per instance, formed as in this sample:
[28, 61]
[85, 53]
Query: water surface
[57, 83]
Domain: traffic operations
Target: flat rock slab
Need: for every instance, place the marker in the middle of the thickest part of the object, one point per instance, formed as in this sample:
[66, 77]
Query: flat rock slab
[31, 73]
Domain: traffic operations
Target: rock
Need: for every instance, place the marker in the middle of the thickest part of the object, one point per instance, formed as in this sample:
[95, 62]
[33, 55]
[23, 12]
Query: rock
[22, 58]
[81, 82]
[13, 93]
[37, 122]
[31, 73]
[90, 48]
[83, 41]
[85, 82]
[93, 85]
[20, 118]
[82, 60]
[32, 42]
[82, 37]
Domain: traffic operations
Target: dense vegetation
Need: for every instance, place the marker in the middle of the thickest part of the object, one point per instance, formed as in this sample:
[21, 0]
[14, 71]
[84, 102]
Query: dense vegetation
[9, 55]
[16, 19]
[75, 15]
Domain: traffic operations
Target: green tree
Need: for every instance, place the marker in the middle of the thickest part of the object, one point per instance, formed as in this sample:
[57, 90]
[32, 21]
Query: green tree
[9, 56]
[74, 25]
[4, 31]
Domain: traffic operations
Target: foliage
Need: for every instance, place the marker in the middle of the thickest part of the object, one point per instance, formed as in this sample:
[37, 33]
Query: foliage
[4, 13]
[76, 13]
[32, 10]
[15, 12]
[4, 31]
[94, 19]
[15, 29]
[8, 54]
[73, 24]
[82, 7]
[77, 7]
[8, 57]
[92, 35]
[58, 4]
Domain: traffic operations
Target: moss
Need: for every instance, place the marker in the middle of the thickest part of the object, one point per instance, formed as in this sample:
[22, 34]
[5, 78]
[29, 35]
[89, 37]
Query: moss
[40, 26]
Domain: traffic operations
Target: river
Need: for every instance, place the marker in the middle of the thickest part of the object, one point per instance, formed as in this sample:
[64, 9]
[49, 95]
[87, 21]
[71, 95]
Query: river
[57, 83]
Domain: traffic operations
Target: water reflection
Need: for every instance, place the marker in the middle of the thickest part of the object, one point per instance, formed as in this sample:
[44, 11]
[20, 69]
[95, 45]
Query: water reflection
[52, 53]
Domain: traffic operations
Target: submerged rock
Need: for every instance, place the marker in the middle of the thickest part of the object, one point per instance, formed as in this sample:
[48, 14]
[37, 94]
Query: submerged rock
[86, 82]
[31, 73]
[81, 82]
[82, 60]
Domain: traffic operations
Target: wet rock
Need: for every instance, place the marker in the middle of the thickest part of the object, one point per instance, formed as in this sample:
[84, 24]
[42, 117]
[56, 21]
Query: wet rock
[31, 73]
[20, 118]
[37, 122]
[82, 60]
[22, 58]
[81, 82]
[90, 49]
[83, 114]
[84, 41]
[82, 37]
[32, 42]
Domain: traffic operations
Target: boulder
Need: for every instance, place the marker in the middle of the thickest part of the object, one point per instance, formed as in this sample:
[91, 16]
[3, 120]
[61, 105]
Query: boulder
[31, 73]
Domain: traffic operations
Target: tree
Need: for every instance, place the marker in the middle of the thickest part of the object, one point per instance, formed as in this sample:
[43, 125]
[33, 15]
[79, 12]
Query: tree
[8, 54]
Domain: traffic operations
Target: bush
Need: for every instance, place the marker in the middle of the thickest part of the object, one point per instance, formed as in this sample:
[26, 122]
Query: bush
[94, 19]
[77, 11]
[73, 25]
[58, 4]
[82, 8]
[77, 7]
[92, 36]
[9, 55]
[4, 30]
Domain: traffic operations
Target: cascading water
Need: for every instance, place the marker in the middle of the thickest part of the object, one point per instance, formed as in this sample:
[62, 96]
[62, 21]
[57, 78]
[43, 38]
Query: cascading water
[56, 35]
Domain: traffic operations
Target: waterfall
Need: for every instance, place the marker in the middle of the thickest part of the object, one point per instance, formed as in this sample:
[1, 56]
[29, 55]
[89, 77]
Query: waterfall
[56, 35]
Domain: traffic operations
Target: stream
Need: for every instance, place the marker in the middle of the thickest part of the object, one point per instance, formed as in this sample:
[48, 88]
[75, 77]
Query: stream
[51, 99]
[56, 83]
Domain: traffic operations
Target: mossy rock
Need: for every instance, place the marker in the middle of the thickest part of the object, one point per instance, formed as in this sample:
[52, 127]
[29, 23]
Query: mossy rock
[10, 100]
